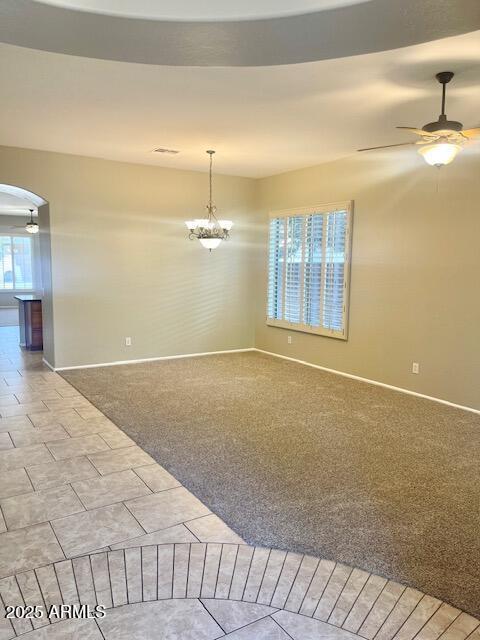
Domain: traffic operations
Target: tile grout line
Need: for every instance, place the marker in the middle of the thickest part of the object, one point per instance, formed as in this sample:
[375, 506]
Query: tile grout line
[339, 596]
[248, 572]
[437, 609]
[233, 571]
[188, 569]
[309, 585]
[357, 597]
[374, 604]
[404, 621]
[280, 626]
[218, 569]
[134, 517]
[93, 579]
[2, 602]
[413, 611]
[263, 575]
[173, 569]
[452, 622]
[477, 627]
[278, 579]
[23, 599]
[99, 628]
[210, 615]
[294, 579]
[323, 590]
[126, 577]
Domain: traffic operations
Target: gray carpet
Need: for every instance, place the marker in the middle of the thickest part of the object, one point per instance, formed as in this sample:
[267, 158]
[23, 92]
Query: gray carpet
[296, 458]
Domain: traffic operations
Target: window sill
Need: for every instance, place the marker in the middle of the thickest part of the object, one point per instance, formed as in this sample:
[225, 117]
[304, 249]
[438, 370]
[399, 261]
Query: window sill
[305, 328]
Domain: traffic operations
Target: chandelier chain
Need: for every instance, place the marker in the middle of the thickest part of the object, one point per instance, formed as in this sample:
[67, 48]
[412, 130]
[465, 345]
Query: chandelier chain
[211, 179]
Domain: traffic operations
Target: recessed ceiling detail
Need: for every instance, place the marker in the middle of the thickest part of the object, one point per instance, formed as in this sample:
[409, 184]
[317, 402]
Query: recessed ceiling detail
[261, 120]
[193, 10]
[362, 27]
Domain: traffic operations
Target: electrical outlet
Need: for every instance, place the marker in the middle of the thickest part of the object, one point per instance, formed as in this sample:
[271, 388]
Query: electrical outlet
[128, 342]
[415, 367]
[289, 339]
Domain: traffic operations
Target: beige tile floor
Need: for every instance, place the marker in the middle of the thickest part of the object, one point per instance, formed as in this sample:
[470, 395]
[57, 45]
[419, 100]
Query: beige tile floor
[87, 517]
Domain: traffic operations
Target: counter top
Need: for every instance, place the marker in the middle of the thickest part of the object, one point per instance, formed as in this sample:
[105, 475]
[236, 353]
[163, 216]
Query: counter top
[28, 297]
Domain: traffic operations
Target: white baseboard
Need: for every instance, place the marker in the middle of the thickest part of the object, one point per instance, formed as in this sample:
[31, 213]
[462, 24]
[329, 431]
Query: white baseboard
[375, 382]
[118, 362]
[47, 364]
[276, 355]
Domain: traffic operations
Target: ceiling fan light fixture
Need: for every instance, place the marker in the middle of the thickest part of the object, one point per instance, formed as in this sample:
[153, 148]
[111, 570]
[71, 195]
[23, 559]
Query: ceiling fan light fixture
[439, 154]
[444, 138]
[31, 226]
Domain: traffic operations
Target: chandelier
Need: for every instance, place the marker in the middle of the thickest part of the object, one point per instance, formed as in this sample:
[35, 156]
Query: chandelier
[209, 231]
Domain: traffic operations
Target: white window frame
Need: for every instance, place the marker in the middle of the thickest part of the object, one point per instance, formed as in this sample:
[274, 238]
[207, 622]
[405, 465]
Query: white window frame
[33, 254]
[304, 211]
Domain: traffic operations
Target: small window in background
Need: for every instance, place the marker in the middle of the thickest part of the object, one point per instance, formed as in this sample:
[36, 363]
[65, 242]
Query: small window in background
[16, 263]
[309, 269]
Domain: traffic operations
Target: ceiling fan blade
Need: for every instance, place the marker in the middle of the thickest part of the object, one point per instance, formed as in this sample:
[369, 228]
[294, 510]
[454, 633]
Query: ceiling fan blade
[387, 146]
[419, 132]
[471, 133]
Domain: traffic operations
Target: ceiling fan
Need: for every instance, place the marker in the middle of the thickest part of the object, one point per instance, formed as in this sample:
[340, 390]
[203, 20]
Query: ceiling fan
[31, 226]
[442, 139]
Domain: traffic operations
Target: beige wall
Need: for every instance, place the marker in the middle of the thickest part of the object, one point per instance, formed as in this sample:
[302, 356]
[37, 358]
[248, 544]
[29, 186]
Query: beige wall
[122, 264]
[415, 271]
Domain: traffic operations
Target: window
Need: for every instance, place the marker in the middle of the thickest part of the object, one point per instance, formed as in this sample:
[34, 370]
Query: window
[309, 269]
[16, 270]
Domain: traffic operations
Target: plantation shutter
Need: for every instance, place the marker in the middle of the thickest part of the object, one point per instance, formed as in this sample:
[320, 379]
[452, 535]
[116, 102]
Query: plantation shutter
[333, 289]
[293, 269]
[308, 269]
[275, 268]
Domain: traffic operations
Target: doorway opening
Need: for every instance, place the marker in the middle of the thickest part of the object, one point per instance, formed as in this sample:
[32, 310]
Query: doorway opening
[25, 275]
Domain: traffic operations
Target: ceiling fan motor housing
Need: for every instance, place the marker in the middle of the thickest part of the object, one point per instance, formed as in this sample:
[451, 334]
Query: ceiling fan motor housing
[442, 124]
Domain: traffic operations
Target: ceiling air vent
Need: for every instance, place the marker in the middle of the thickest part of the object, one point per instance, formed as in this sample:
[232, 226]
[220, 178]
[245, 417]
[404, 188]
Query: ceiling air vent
[164, 150]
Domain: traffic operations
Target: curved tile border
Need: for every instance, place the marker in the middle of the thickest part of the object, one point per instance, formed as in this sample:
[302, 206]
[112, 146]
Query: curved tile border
[351, 599]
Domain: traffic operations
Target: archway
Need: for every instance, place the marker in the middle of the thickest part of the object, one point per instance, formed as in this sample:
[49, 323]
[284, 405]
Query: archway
[40, 282]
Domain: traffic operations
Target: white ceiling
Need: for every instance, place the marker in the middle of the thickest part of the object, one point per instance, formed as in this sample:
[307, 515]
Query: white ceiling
[261, 120]
[14, 206]
[201, 9]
